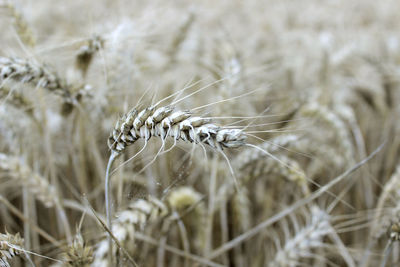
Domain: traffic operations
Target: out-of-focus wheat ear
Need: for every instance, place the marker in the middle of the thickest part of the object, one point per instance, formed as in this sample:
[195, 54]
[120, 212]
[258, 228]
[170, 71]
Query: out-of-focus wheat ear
[248, 156]
[309, 238]
[254, 164]
[86, 53]
[10, 246]
[22, 27]
[189, 205]
[390, 191]
[26, 71]
[16, 99]
[126, 223]
[35, 183]
[384, 217]
[327, 116]
[180, 37]
[393, 233]
[40, 75]
[79, 254]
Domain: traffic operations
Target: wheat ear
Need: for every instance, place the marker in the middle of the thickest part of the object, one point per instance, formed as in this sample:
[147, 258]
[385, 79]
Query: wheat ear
[191, 210]
[86, 52]
[79, 254]
[37, 184]
[165, 122]
[309, 238]
[26, 71]
[9, 248]
[22, 27]
[16, 99]
[127, 222]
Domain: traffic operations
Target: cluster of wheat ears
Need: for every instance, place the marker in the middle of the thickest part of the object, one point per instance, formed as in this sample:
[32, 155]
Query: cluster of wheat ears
[200, 133]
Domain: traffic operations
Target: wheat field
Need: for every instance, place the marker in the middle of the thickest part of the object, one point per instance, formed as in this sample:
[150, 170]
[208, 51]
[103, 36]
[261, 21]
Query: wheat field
[200, 133]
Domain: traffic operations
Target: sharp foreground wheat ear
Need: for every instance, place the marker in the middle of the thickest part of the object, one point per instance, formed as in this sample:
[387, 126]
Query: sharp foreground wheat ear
[165, 122]
[9, 245]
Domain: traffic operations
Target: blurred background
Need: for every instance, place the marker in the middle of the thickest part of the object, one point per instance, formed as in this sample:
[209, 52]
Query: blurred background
[313, 84]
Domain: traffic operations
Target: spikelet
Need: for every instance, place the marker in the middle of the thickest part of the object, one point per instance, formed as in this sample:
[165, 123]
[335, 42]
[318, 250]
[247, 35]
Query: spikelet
[9, 245]
[164, 122]
[37, 184]
[126, 223]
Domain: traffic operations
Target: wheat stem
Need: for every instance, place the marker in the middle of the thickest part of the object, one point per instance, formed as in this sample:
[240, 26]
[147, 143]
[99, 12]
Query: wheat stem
[111, 160]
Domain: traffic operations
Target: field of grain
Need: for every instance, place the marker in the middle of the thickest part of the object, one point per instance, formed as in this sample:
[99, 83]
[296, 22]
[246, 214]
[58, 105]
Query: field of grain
[200, 133]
